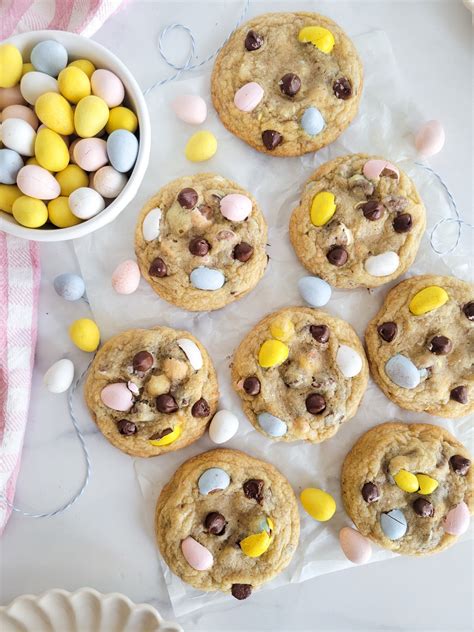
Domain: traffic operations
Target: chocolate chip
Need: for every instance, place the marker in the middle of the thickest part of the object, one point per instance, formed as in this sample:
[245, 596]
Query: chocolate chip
[188, 198]
[468, 310]
[271, 138]
[252, 385]
[215, 523]
[372, 210]
[460, 464]
[315, 403]
[402, 223]
[423, 508]
[440, 345]
[241, 591]
[320, 333]
[290, 84]
[199, 246]
[201, 408]
[166, 403]
[162, 433]
[342, 88]
[126, 427]
[253, 489]
[337, 256]
[459, 394]
[370, 492]
[387, 331]
[253, 41]
[242, 252]
[142, 361]
[158, 268]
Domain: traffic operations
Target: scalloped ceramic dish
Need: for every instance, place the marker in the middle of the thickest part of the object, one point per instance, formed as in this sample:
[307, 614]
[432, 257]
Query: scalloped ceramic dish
[85, 610]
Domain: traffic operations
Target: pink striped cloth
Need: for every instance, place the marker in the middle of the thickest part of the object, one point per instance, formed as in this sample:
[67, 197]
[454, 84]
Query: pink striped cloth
[19, 289]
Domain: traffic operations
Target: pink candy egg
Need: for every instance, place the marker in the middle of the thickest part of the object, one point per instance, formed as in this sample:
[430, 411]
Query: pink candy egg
[236, 207]
[91, 153]
[108, 87]
[196, 555]
[117, 396]
[126, 277]
[11, 96]
[457, 520]
[37, 182]
[108, 182]
[354, 545]
[430, 138]
[373, 169]
[190, 108]
[248, 96]
[21, 112]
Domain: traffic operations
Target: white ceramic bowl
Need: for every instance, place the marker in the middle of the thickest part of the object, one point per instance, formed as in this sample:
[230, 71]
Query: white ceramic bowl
[81, 47]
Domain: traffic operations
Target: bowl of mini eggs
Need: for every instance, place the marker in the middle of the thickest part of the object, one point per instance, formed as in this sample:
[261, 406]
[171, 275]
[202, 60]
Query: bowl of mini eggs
[74, 136]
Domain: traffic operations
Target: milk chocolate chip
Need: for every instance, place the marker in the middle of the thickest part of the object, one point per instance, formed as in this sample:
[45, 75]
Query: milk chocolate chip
[423, 508]
[337, 256]
[460, 464]
[370, 492]
[459, 394]
[290, 84]
[402, 223]
[253, 41]
[372, 210]
[201, 408]
[188, 198]
[468, 310]
[315, 403]
[142, 361]
[241, 591]
[252, 385]
[253, 489]
[126, 427]
[440, 345]
[242, 252]
[320, 333]
[387, 331]
[199, 247]
[166, 403]
[215, 523]
[271, 138]
[158, 268]
[342, 88]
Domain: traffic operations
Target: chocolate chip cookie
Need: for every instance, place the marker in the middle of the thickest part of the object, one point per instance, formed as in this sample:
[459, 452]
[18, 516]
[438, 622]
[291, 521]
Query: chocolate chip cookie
[359, 222]
[300, 373]
[152, 391]
[408, 487]
[227, 521]
[287, 83]
[421, 345]
[200, 242]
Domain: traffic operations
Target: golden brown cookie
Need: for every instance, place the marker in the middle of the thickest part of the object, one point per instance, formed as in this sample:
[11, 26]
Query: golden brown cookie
[152, 391]
[227, 521]
[408, 487]
[287, 83]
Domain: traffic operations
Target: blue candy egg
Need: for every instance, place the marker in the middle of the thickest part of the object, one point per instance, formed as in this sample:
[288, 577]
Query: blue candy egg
[315, 291]
[10, 164]
[213, 479]
[272, 425]
[312, 121]
[70, 286]
[402, 371]
[122, 149]
[204, 278]
[393, 524]
[49, 57]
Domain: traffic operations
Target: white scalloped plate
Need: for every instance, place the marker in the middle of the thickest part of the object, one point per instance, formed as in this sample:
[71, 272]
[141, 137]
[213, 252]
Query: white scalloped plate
[85, 610]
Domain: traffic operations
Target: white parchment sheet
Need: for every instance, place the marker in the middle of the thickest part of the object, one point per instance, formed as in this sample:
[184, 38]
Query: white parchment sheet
[385, 126]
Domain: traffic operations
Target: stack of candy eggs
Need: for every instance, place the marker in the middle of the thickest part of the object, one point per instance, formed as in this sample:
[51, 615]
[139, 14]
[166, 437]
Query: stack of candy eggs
[68, 143]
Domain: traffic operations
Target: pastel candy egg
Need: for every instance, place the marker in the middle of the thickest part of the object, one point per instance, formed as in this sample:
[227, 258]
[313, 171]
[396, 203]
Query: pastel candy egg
[74, 84]
[318, 504]
[282, 328]
[256, 544]
[428, 299]
[315, 291]
[375, 168]
[223, 426]
[71, 178]
[51, 151]
[272, 353]
[213, 479]
[427, 484]
[85, 65]
[85, 334]
[34, 84]
[11, 65]
[151, 224]
[10, 164]
[69, 286]
[203, 278]
[126, 277]
[192, 352]
[236, 207]
[21, 112]
[117, 396]
[348, 361]
[355, 546]
[382, 265]
[106, 85]
[323, 208]
[60, 214]
[91, 153]
[121, 118]
[201, 146]
[58, 378]
[190, 108]
[430, 138]
[38, 183]
[49, 56]
[30, 212]
[402, 371]
[167, 439]
[10, 97]
[8, 194]
[248, 96]
[90, 116]
[122, 149]
[196, 555]
[85, 203]
[312, 121]
[318, 36]
[272, 425]
[393, 524]
[109, 182]
[18, 135]
[406, 481]
[457, 519]
[55, 112]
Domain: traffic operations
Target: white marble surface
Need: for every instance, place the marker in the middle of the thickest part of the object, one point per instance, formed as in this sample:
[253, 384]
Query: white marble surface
[103, 540]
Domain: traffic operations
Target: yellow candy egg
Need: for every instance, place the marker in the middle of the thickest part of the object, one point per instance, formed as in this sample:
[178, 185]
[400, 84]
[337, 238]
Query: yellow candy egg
[121, 118]
[8, 194]
[11, 65]
[255, 545]
[319, 36]
[30, 212]
[406, 481]
[427, 484]
[72, 178]
[282, 328]
[201, 146]
[55, 112]
[27, 68]
[74, 84]
[85, 334]
[60, 214]
[85, 65]
[428, 299]
[272, 353]
[91, 116]
[51, 151]
[323, 208]
[318, 504]
[171, 437]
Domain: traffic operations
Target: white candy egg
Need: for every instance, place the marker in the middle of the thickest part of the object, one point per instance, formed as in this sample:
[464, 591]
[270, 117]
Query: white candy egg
[85, 203]
[58, 378]
[223, 426]
[34, 84]
[348, 361]
[151, 225]
[18, 135]
[109, 182]
[192, 352]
